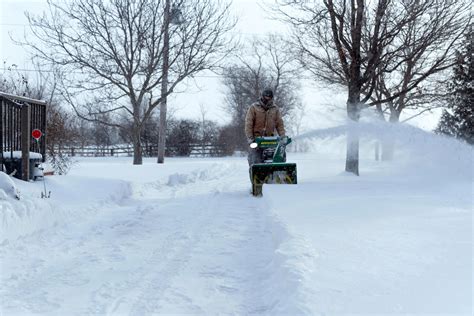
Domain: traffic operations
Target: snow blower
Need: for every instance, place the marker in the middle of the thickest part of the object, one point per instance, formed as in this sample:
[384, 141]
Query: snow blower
[273, 168]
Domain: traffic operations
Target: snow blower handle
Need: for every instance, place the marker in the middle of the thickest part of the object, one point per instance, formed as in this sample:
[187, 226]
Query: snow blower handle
[285, 140]
[280, 151]
[269, 142]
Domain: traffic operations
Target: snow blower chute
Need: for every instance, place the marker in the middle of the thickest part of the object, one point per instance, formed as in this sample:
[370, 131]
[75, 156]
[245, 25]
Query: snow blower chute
[273, 168]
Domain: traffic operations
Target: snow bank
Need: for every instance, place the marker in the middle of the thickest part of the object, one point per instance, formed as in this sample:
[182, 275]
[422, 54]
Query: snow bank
[198, 175]
[72, 199]
[212, 172]
[8, 188]
[286, 291]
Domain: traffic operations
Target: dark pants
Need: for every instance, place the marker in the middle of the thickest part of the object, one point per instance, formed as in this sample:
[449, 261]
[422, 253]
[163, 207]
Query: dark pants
[255, 156]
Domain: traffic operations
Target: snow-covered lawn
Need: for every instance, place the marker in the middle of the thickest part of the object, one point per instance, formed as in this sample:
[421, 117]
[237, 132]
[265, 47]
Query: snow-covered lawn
[187, 237]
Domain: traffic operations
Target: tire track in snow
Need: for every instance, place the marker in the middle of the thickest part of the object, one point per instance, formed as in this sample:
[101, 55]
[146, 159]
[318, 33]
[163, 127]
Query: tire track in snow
[164, 263]
[217, 216]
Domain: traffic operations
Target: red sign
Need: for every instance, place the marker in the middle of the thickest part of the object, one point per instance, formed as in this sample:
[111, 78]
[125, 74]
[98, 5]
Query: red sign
[36, 133]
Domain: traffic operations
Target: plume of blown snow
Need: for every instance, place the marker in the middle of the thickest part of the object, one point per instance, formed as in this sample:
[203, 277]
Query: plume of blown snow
[416, 151]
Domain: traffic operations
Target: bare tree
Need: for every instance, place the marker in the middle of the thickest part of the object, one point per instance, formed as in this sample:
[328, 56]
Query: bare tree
[414, 78]
[352, 43]
[329, 37]
[410, 78]
[268, 63]
[113, 51]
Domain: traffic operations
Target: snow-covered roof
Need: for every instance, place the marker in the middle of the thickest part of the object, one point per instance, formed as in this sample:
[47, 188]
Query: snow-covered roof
[20, 98]
[18, 155]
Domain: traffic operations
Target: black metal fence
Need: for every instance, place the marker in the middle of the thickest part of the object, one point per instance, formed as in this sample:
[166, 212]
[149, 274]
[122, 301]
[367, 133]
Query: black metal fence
[19, 116]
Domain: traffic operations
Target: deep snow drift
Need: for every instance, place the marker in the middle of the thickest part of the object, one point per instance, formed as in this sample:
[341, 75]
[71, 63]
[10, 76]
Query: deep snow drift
[187, 237]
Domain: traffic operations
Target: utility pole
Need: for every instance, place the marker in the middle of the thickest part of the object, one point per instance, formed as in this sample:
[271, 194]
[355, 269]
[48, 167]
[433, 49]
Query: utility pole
[164, 84]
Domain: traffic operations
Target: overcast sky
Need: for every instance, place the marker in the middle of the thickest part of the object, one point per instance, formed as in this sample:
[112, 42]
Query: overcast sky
[207, 90]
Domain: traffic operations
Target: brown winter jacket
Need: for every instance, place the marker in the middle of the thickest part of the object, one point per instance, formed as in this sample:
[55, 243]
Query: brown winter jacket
[261, 122]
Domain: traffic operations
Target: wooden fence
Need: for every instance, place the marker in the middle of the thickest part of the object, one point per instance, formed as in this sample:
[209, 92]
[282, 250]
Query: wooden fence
[187, 150]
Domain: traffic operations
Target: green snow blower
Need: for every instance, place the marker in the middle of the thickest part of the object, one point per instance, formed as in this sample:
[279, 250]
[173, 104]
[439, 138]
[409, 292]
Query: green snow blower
[273, 168]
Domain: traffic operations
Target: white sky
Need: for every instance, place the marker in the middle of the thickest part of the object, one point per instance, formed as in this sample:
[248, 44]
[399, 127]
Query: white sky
[323, 107]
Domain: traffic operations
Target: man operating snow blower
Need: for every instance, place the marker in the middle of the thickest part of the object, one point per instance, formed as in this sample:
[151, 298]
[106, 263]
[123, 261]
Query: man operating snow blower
[267, 155]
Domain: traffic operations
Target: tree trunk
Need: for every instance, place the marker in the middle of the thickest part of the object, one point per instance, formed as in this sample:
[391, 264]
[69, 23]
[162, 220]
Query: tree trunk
[379, 141]
[162, 132]
[137, 146]
[352, 154]
[353, 113]
[388, 145]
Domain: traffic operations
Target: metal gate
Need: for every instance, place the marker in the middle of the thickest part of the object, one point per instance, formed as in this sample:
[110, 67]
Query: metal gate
[18, 117]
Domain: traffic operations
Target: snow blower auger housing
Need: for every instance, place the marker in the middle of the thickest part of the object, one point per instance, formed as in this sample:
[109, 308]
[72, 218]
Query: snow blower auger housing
[273, 168]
